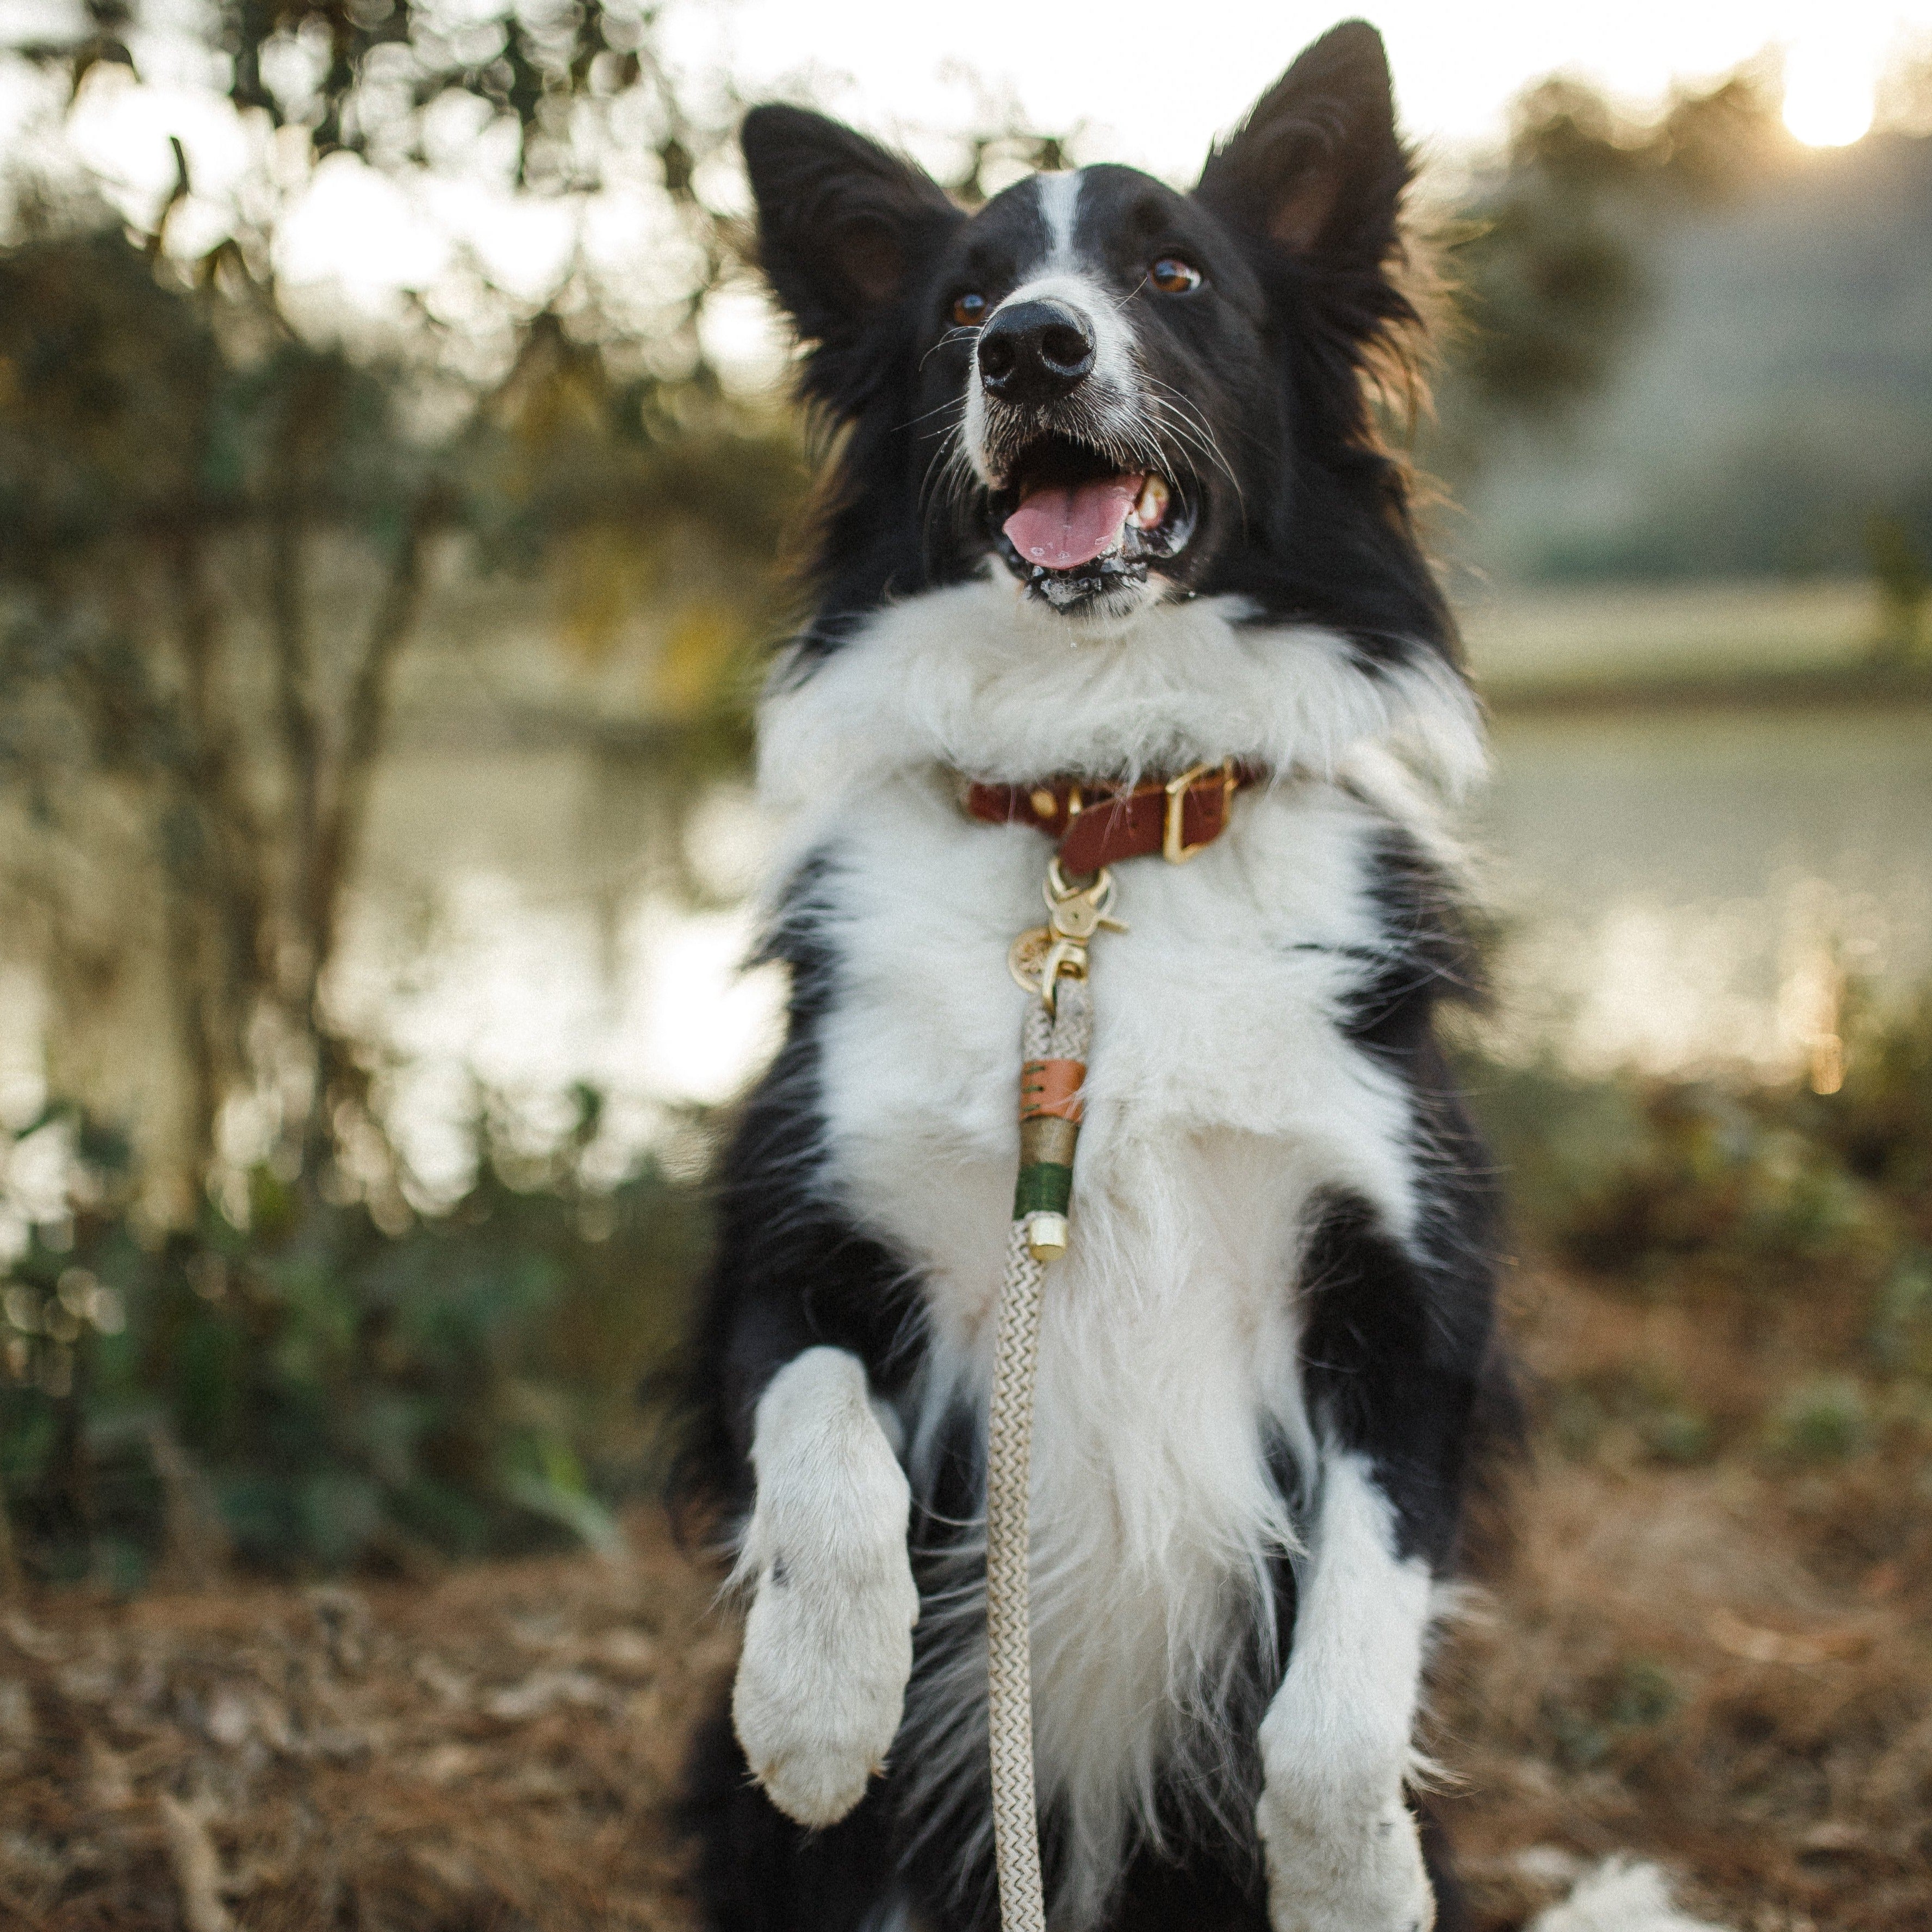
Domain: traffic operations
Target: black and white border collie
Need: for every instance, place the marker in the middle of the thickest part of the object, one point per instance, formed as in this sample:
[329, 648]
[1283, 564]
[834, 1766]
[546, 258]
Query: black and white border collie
[1106, 498]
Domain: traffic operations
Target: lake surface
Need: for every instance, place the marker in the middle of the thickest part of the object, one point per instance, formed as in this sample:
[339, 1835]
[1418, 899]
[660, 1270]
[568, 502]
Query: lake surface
[1681, 887]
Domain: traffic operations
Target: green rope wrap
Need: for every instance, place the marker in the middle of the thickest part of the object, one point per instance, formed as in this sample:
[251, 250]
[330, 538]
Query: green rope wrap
[1045, 1188]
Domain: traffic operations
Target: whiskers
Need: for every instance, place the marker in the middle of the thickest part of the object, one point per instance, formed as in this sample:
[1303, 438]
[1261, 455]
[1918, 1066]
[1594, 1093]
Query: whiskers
[952, 337]
[1179, 419]
[950, 477]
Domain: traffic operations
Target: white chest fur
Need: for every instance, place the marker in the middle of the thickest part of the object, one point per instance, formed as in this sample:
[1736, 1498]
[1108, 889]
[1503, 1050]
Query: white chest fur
[1222, 1093]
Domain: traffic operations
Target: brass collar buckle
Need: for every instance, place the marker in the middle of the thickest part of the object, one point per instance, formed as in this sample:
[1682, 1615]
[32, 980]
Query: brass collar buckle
[1174, 847]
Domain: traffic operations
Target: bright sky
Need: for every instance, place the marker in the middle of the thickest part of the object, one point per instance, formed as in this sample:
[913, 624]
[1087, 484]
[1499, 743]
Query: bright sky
[1153, 83]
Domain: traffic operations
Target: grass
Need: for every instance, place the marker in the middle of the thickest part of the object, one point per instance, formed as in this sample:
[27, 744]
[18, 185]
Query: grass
[495, 1744]
[1720, 1657]
[308, 1385]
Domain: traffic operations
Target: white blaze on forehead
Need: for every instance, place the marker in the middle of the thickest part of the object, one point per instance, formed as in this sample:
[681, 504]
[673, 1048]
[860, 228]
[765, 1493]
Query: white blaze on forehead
[1059, 198]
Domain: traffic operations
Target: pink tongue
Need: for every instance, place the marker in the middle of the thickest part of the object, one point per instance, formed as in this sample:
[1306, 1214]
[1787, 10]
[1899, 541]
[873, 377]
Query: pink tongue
[1060, 527]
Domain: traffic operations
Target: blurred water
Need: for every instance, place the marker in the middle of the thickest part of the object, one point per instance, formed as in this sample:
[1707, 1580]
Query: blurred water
[1688, 888]
[520, 927]
[1679, 888]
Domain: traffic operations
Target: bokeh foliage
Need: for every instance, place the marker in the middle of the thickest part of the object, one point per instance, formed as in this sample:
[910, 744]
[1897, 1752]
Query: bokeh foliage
[218, 535]
[311, 1390]
[221, 528]
[1799, 1221]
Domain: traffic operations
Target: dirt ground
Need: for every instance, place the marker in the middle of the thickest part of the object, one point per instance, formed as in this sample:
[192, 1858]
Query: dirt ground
[1725, 1663]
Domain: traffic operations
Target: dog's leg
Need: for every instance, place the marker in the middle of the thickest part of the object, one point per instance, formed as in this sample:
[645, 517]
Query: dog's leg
[828, 1641]
[1395, 1355]
[1342, 1853]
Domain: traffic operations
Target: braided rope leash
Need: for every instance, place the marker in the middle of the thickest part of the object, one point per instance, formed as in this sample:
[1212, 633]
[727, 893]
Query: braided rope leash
[1055, 1039]
[1050, 961]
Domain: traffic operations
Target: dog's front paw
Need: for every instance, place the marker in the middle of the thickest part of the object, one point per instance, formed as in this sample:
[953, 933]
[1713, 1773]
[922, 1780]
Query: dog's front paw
[1344, 1869]
[821, 1684]
[828, 1641]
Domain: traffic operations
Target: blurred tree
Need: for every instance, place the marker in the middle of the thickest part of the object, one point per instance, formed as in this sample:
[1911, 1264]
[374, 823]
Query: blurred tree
[217, 535]
[148, 487]
[1547, 257]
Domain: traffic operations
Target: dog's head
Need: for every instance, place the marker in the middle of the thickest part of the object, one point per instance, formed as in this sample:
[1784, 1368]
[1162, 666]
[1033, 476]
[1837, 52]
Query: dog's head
[1124, 393]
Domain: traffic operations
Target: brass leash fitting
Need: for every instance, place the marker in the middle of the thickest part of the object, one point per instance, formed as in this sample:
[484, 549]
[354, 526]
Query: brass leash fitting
[1041, 957]
[1051, 1082]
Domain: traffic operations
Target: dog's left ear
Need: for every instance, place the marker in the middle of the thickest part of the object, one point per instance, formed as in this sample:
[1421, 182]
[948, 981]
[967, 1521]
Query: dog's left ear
[1317, 167]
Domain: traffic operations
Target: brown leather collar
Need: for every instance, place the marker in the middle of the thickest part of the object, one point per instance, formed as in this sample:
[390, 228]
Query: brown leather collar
[1099, 823]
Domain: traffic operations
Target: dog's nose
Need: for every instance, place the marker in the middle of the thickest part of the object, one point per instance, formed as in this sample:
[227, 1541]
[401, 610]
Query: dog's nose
[1036, 352]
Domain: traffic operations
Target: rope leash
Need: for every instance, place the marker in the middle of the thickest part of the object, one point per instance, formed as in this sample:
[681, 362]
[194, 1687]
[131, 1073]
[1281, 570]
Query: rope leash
[1050, 961]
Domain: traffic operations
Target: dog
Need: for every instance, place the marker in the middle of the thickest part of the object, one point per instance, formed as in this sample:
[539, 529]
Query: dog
[1108, 533]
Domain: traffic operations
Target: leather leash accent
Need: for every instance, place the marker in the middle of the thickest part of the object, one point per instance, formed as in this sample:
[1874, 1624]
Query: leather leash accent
[1100, 823]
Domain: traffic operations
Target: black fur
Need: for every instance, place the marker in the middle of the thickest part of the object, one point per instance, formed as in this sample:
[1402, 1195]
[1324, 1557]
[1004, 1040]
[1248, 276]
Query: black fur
[1294, 224]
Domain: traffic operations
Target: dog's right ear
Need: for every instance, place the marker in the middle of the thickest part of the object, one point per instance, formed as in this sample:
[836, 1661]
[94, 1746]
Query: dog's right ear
[843, 224]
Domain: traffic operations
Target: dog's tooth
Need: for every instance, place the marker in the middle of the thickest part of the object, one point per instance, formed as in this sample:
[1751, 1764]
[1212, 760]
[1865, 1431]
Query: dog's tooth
[1151, 505]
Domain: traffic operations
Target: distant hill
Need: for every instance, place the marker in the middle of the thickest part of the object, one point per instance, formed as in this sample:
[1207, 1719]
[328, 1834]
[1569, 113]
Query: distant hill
[1778, 393]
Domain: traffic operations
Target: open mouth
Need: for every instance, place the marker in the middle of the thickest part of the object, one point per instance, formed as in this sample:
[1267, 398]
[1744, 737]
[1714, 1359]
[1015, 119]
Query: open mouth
[1073, 525]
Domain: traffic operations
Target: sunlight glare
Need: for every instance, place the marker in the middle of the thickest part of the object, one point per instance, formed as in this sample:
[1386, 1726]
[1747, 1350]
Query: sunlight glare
[1828, 93]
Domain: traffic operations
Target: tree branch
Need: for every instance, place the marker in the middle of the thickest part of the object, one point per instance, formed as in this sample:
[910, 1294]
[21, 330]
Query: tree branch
[365, 724]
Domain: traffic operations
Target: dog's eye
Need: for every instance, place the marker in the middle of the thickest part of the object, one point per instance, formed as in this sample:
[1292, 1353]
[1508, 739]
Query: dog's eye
[969, 311]
[1173, 277]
